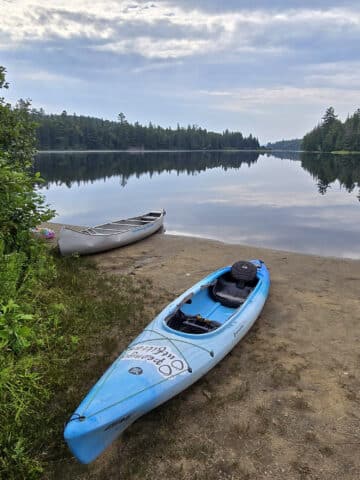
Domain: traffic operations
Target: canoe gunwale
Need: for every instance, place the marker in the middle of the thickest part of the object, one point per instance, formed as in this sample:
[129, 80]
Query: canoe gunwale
[86, 231]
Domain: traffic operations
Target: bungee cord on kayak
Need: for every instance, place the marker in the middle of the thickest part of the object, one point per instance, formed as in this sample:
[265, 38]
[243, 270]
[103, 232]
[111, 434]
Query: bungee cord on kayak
[161, 338]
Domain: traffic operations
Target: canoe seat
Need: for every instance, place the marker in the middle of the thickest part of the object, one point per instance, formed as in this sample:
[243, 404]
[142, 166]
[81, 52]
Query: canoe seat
[233, 288]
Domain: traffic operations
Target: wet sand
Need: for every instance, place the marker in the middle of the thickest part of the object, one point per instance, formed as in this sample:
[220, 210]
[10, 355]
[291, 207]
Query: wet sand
[283, 405]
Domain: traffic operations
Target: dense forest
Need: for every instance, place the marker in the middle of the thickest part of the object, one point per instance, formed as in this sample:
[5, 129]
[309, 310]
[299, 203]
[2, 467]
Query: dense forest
[73, 132]
[333, 135]
[289, 145]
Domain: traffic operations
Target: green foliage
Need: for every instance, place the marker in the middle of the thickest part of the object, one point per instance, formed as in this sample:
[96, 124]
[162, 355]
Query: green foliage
[85, 319]
[51, 310]
[26, 329]
[73, 132]
[25, 267]
[21, 395]
[15, 331]
[11, 270]
[3, 83]
[329, 117]
[333, 135]
[20, 206]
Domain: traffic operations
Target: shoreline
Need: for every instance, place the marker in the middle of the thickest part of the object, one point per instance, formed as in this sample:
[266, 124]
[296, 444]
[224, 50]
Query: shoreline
[277, 392]
[264, 151]
[154, 151]
[171, 260]
[258, 247]
[197, 238]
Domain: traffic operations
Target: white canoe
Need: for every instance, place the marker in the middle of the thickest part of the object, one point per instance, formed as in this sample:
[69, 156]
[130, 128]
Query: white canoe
[109, 235]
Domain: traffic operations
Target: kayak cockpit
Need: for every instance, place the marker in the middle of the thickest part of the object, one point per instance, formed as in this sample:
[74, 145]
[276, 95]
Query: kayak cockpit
[209, 308]
[197, 324]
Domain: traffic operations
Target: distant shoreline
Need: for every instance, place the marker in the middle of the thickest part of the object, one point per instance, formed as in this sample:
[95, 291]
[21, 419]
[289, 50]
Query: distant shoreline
[225, 150]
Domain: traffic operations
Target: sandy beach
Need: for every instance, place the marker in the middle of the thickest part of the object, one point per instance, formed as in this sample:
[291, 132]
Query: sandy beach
[283, 405]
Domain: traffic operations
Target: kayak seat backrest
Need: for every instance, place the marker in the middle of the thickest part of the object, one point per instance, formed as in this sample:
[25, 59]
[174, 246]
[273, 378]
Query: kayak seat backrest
[243, 271]
[233, 292]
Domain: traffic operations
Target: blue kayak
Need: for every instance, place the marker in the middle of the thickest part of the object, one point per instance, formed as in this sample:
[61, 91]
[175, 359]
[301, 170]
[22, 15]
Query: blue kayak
[186, 340]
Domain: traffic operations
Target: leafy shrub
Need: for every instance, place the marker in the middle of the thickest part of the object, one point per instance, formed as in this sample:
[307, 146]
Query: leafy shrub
[25, 268]
[15, 332]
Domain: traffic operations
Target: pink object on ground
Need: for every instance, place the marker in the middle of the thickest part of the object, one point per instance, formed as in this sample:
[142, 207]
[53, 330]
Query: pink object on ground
[46, 233]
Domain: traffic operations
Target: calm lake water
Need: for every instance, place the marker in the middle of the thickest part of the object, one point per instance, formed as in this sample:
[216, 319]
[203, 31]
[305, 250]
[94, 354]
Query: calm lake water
[305, 203]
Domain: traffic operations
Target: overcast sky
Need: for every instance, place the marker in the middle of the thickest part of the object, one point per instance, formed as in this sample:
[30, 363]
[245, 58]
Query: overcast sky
[267, 67]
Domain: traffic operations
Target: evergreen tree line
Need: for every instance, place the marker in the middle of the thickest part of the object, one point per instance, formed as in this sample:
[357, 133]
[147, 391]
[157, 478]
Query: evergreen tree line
[288, 145]
[332, 134]
[74, 132]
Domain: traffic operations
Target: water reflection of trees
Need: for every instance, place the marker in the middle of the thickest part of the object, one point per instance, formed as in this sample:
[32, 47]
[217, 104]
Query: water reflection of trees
[326, 169]
[78, 168]
[285, 155]
[72, 168]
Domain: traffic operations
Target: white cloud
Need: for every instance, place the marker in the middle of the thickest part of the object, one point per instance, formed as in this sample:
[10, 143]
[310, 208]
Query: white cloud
[45, 76]
[174, 32]
[155, 48]
[342, 74]
[244, 99]
[157, 66]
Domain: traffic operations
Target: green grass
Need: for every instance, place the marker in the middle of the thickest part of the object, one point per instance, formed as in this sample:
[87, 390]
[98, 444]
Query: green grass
[93, 319]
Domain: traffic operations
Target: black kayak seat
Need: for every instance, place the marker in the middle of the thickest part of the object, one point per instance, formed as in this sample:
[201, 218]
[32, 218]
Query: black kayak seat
[233, 288]
[243, 271]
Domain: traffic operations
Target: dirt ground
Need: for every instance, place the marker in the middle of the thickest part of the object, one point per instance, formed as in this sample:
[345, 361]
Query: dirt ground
[283, 405]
